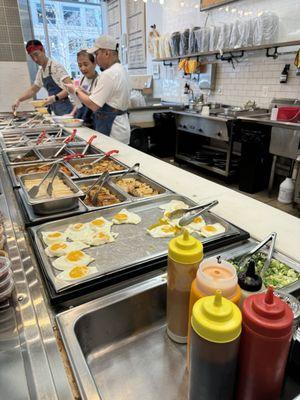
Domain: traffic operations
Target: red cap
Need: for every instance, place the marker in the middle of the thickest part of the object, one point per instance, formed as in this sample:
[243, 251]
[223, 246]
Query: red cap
[267, 314]
[34, 47]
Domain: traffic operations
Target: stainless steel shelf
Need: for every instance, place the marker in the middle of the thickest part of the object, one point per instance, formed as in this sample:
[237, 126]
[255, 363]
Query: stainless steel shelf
[198, 164]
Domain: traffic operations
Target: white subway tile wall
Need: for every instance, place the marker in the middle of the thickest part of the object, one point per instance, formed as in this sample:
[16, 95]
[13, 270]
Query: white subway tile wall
[255, 77]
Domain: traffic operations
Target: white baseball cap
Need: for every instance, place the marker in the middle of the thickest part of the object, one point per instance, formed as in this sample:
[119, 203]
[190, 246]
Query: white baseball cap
[104, 42]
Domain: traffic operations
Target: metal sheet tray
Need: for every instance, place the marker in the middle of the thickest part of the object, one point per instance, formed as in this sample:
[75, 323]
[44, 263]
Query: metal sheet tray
[10, 156]
[114, 190]
[89, 160]
[162, 190]
[15, 179]
[119, 349]
[133, 245]
[52, 205]
[31, 218]
[92, 150]
[47, 152]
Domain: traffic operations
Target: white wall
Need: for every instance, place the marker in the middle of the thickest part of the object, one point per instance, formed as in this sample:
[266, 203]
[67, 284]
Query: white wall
[256, 77]
[14, 79]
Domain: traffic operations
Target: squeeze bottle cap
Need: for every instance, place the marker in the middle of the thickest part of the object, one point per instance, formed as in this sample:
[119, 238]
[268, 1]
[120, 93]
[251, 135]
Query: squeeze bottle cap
[215, 274]
[249, 280]
[267, 314]
[216, 319]
[185, 249]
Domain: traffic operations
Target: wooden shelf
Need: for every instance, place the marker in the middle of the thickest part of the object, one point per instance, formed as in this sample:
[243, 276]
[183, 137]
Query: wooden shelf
[240, 49]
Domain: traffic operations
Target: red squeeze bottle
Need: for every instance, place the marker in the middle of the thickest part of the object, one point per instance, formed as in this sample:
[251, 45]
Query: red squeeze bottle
[265, 342]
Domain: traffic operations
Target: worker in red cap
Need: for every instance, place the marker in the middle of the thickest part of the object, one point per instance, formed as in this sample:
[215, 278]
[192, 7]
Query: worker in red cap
[51, 75]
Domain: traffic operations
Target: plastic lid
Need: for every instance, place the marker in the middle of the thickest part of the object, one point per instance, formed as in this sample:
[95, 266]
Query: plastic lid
[185, 249]
[249, 280]
[267, 314]
[215, 274]
[216, 319]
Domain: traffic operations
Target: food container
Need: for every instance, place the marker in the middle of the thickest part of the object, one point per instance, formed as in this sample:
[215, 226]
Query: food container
[2, 241]
[27, 156]
[90, 151]
[161, 190]
[38, 103]
[15, 172]
[52, 205]
[85, 184]
[75, 165]
[47, 153]
[4, 267]
[72, 122]
[5, 281]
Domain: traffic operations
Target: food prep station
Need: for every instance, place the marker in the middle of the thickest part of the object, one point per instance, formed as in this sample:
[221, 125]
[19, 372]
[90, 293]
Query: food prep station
[129, 281]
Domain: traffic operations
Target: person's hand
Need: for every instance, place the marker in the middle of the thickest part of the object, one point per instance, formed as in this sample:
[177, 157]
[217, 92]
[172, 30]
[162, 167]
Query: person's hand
[16, 105]
[70, 88]
[49, 100]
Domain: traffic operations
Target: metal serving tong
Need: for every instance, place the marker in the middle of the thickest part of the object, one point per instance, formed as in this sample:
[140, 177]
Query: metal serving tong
[135, 168]
[50, 184]
[69, 139]
[270, 238]
[100, 182]
[89, 142]
[35, 189]
[187, 219]
[90, 165]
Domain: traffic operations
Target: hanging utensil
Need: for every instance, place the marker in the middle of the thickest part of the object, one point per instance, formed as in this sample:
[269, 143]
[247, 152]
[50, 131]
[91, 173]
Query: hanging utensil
[187, 219]
[90, 166]
[49, 189]
[59, 133]
[69, 139]
[41, 138]
[105, 177]
[89, 142]
[35, 189]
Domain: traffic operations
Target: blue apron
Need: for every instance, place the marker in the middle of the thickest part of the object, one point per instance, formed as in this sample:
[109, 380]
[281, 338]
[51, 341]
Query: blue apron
[104, 118]
[60, 107]
[84, 112]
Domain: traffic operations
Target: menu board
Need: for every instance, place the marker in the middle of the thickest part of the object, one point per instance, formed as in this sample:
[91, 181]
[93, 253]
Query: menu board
[206, 4]
[114, 19]
[136, 34]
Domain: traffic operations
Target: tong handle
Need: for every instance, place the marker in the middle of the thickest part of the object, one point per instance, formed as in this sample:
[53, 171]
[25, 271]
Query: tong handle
[71, 137]
[270, 237]
[187, 219]
[41, 137]
[109, 153]
[71, 156]
[91, 139]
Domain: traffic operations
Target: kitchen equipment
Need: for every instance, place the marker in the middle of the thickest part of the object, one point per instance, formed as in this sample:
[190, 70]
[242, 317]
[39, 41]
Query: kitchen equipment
[215, 336]
[91, 164]
[187, 219]
[151, 252]
[35, 189]
[89, 142]
[20, 156]
[265, 342]
[185, 253]
[69, 139]
[134, 168]
[52, 205]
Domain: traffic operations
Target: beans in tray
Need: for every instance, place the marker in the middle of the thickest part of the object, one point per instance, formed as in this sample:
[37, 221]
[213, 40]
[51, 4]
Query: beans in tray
[99, 167]
[136, 188]
[32, 169]
[104, 198]
[30, 157]
[60, 189]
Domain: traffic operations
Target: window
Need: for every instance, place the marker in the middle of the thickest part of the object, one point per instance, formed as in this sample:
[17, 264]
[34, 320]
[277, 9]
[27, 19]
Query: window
[71, 25]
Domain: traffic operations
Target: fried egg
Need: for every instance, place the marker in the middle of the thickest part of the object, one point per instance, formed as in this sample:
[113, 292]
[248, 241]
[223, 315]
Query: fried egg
[60, 249]
[163, 231]
[75, 273]
[79, 232]
[196, 225]
[72, 259]
[100, 224]
[211, 230]
[173, 205]
[102, 237]
[53, 237]
[126, 217]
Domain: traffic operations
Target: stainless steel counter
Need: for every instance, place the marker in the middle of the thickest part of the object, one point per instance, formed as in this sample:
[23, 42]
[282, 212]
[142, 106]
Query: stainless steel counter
[31, 365]
[265, 120]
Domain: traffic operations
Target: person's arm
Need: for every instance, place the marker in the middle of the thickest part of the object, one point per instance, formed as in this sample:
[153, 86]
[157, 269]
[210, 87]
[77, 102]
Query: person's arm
[82, 96]
[60, 95]
[31, 92]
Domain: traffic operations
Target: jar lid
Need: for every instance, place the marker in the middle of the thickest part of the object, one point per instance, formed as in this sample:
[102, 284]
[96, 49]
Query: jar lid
[186, 249]
[216, 319]
[267, 314]
[249, 280]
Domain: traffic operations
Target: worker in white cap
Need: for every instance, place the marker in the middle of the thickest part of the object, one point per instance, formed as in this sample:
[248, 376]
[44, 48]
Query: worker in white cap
[109, 98]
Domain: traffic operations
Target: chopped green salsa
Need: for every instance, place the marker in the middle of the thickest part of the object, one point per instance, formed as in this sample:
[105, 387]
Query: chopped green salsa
[277, 275]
